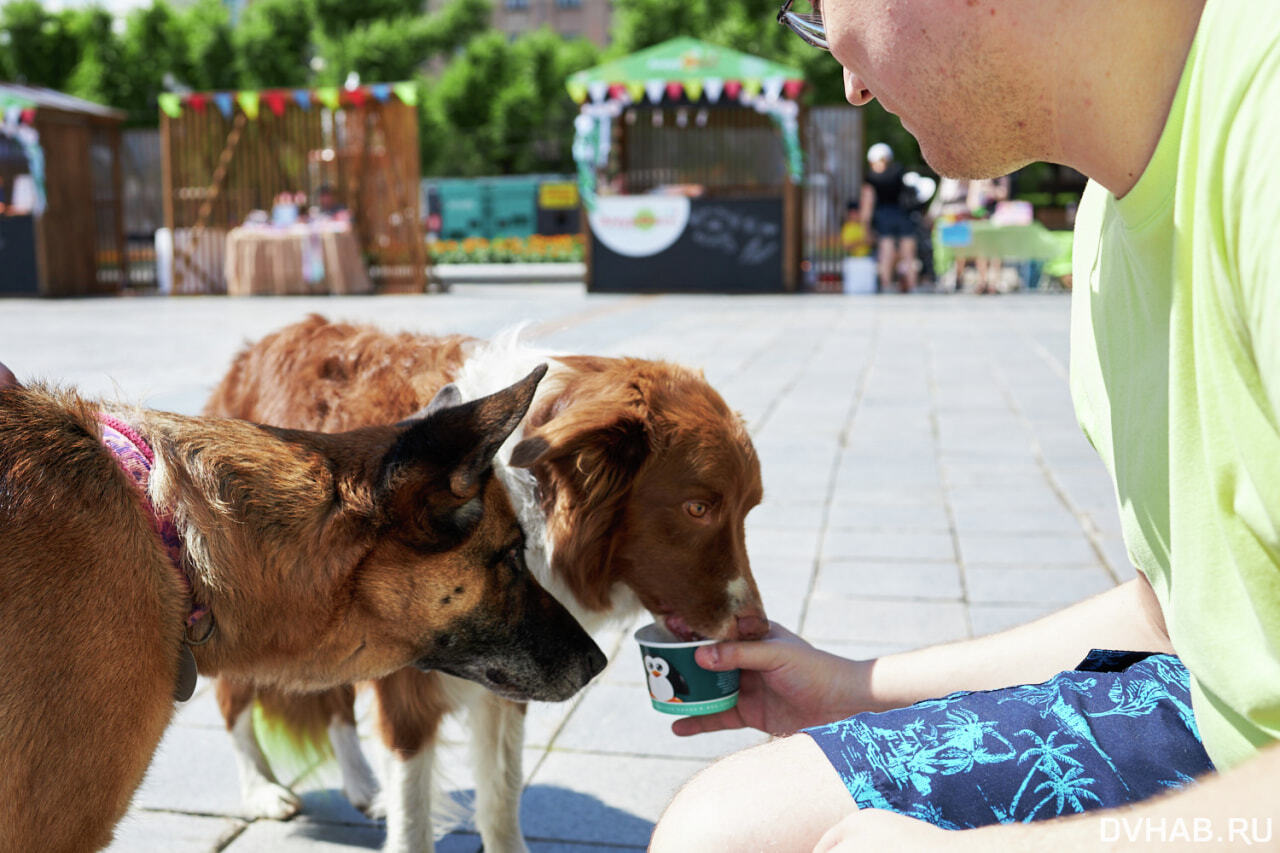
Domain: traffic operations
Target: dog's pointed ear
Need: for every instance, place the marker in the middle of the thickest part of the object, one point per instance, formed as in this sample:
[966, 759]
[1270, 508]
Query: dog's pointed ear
[447, 396]
[462, 438]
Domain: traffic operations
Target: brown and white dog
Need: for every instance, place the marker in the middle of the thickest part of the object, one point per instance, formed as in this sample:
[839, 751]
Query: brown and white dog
[632, 479]
[303, 560]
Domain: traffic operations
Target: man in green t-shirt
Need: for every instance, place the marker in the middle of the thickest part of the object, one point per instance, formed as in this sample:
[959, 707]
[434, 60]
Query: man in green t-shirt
[1172, 108]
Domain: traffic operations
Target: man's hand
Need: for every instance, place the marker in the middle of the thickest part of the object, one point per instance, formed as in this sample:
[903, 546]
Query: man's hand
[786, 685]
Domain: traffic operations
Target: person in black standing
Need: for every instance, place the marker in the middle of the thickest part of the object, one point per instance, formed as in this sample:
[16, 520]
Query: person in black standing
[882, 192]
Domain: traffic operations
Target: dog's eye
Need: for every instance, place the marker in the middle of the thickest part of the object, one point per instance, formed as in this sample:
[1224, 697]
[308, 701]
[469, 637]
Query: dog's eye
[697, 509]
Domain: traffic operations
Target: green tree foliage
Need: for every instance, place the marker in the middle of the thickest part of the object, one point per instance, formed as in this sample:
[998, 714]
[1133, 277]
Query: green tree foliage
[274, 43]
[501, 108]
[211, 51]
[40, 47]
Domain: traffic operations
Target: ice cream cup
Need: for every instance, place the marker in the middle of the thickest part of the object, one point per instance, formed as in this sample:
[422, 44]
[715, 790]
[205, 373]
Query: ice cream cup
[676, 684]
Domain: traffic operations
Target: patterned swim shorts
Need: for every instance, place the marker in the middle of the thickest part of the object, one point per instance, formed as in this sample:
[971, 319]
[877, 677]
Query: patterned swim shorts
[1115, 730]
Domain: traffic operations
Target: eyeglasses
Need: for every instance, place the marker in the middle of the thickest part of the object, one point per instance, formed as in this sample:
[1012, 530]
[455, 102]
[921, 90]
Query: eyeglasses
[808, 27]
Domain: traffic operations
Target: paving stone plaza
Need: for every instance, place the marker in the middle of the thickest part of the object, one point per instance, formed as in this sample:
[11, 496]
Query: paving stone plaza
[925, 481]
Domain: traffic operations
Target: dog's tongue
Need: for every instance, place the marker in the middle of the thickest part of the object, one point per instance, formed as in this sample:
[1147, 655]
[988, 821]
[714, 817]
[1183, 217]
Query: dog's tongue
[680, 628]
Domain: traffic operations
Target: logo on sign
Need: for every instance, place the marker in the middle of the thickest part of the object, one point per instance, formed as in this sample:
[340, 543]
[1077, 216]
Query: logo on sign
[639, 226]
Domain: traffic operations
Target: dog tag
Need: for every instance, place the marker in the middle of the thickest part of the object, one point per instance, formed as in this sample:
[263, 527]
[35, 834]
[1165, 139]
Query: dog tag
[186, 674]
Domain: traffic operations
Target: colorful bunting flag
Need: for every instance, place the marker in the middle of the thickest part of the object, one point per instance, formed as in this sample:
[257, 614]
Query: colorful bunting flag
[792, 88]
[675, 91]
[248, 102]
[198, 101]
[597, 90]
[617, 91]
[636, 90]
[302, 98]
[713, 86]
[577, 91]
[328, 95]
[355, 97]
[28, 115]
[275, 101]
[170, 104]
[751, 87]
[732, 88]
[225, 103]
[773, 88]
[406, 92]
[693, 88]
[381, 91]
[654, 89]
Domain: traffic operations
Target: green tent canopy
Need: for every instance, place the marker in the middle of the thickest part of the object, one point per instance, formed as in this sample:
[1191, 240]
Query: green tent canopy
[689, 68]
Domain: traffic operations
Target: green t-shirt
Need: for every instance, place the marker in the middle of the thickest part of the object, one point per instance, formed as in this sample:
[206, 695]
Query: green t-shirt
[1175, 369]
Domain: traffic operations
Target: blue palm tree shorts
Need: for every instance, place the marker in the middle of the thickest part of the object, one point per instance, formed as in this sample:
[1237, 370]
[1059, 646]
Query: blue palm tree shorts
[1117, 729]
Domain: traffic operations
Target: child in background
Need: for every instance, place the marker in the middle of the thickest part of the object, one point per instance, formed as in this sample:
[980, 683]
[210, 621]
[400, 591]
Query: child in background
[853, 234]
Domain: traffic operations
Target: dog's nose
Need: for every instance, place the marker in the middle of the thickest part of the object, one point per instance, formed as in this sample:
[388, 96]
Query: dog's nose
[594, 663]
[752, 627]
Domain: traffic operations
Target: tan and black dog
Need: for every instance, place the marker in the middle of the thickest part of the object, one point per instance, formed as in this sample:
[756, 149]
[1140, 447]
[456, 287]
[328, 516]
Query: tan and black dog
[312, 561]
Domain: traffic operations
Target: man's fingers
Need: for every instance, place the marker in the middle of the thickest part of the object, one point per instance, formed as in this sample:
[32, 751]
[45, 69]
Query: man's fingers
[769, 653]
[729, 719]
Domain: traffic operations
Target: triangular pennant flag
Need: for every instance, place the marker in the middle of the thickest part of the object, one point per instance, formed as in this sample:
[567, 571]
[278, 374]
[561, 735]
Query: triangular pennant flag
[597, 89]
[731, 89]
[275, 101]
[328, 95]
[381, 91]
[675, 91]
[713, 86]
[751, 88]
[170, 103]
[617, 91]
[198, 101]
[407, 92]
[636, 91]
[28, 116]
[225, 103]
[693, 88]
[356, 97]
[12, 115]
[773, 88]
[654, 89]
[302, 98]
[792, 88]
[248, 102]
[577, 91]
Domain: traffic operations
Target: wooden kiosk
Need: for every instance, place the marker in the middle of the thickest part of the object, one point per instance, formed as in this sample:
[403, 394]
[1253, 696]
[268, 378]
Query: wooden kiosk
[689, 164]
[228, 154]
[62, 228]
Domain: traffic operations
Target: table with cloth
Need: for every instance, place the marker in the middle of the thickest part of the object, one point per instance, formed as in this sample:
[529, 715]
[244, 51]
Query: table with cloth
[977, 238]
[315, 258]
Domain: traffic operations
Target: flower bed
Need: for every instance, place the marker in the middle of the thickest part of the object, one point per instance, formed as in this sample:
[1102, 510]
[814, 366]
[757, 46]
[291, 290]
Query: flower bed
[508, 250]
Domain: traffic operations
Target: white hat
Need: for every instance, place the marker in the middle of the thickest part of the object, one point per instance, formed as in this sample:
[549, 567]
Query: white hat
[879, 151]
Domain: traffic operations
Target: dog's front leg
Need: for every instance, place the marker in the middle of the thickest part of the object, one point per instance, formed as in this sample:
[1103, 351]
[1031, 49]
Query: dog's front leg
[408, 802]
[260, 793]
[497, 752]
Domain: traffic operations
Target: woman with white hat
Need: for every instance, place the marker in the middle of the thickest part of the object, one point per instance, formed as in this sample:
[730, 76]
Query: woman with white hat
[883, 211]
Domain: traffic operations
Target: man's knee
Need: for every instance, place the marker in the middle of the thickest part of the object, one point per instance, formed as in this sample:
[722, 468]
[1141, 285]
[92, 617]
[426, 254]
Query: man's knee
[782, 795]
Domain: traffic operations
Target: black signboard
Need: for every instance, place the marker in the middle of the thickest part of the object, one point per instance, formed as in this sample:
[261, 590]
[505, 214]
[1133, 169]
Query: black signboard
[18, 256]
[727, 246]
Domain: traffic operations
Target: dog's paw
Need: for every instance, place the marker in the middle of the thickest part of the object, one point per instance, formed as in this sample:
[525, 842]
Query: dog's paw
[271, 801]
[375, 809]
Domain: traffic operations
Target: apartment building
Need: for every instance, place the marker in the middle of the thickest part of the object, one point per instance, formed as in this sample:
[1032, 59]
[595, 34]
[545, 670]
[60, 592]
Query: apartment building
[571, 18]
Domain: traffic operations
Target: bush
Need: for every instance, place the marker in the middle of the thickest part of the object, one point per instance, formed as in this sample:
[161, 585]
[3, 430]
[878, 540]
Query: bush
[565, 248]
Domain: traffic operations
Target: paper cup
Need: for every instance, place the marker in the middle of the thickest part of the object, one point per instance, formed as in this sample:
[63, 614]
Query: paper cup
[677, 685]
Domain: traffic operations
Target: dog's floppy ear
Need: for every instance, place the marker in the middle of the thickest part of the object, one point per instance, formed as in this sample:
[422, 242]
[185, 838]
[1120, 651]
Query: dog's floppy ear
[436, 468]
[586, 458]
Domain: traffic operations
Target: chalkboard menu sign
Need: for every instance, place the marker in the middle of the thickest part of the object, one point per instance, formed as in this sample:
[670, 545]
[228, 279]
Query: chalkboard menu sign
[674, 244]
[18, 256]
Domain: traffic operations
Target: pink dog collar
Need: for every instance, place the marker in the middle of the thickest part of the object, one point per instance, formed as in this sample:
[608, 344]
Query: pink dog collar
[136, 459]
